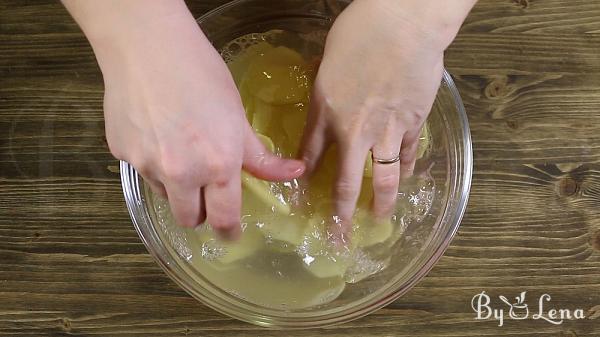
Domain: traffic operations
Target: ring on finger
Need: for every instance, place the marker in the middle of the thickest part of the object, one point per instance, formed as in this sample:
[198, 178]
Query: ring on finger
[383, 161]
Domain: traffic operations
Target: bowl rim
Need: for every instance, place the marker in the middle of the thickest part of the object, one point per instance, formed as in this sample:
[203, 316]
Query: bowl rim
[142, 221]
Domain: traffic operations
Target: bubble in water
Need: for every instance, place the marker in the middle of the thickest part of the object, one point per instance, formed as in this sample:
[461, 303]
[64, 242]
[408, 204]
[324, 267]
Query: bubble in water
[212, 250]
[419, 200]
[233, 48]
[363, 266]
[174, 234]
[307, 259]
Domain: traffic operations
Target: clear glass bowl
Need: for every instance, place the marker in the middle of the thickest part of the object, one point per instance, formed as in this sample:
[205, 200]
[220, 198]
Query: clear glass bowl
[423, 243]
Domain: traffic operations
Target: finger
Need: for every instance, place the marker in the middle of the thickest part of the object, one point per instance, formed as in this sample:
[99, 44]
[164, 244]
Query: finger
[351, 161]
[223, 207]
[386, 177]
[263, 164]
[314, 140]
[408, 153]
[185, 204]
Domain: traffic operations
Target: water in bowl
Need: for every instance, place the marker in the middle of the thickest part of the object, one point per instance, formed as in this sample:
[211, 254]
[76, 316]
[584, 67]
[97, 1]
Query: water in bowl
[285, 257]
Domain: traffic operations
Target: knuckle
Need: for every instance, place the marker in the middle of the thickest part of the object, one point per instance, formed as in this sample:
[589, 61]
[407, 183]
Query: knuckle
[141, 164]
[355, 135]
[175, 171]
[416, 115]
[346, 191]
[214, 168]
[387, 183]
[351, 131]
[221, 169]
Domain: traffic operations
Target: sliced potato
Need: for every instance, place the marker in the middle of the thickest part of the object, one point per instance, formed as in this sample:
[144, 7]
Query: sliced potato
[321, 181]
[267, 142]
[262, 190]
[357, 272]
[262, 116]
[227, 252]
[368, 173]
[424, 142]
[247, 102]
[293, 120]
[280, 246]
[334, 290]
[240, 64]
[369, 231]
[279, 76]
[239, 68]
[326, 266]
[285, 230]
[320, 256]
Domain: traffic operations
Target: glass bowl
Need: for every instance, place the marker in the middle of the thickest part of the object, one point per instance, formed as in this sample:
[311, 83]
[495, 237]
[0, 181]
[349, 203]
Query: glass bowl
[449, 163]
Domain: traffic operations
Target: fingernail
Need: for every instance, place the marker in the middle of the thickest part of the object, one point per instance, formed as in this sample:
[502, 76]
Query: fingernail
[295, 168]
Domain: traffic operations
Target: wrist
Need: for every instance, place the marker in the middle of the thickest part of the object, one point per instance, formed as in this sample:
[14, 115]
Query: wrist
[437, 22]
[117, 28]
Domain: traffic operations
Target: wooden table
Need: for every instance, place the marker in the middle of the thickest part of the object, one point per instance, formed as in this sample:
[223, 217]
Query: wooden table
[529, 72]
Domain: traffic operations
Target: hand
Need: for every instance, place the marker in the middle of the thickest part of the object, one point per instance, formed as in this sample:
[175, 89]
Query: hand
[379, 76]
[172, 110]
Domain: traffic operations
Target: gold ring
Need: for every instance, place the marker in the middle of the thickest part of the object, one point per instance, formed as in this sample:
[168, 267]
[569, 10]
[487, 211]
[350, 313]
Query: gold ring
[385, 161]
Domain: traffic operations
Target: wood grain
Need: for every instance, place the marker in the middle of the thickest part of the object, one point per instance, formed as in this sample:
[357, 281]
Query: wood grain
[529, 73]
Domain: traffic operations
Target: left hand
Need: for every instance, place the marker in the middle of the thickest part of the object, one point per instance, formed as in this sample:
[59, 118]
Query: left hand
[376, 85]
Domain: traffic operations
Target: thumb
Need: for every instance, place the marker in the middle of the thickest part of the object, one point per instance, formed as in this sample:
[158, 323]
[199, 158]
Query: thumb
[264, 164]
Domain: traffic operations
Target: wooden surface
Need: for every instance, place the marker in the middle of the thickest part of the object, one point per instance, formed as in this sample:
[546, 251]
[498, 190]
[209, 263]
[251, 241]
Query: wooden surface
[529, 72]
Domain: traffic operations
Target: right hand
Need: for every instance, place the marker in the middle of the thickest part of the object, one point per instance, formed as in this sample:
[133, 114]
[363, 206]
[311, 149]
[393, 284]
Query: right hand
[172, 111]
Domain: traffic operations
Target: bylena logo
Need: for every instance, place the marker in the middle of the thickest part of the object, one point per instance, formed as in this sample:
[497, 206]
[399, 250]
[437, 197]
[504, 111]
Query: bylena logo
[519, 310]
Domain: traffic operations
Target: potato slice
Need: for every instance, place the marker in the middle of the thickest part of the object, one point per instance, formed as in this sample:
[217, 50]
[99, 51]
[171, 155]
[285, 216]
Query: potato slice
[262, 288]
[321, 181]
[262, 116]
[266, 141]
[262, 190]
[368, 173]
[216, 250]
[240, 63]
[334, 290]
[293, 120]
[279, 76]
[280, 247]
[326, 266]
[248, 103]
[368, 266]
[369, 231]
[424, 142]
[239, 68]
[319, 255]
[288, 230]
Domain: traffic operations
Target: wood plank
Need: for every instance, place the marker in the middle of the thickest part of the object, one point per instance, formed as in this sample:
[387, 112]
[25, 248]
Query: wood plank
[72, 264]
[534, 17]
